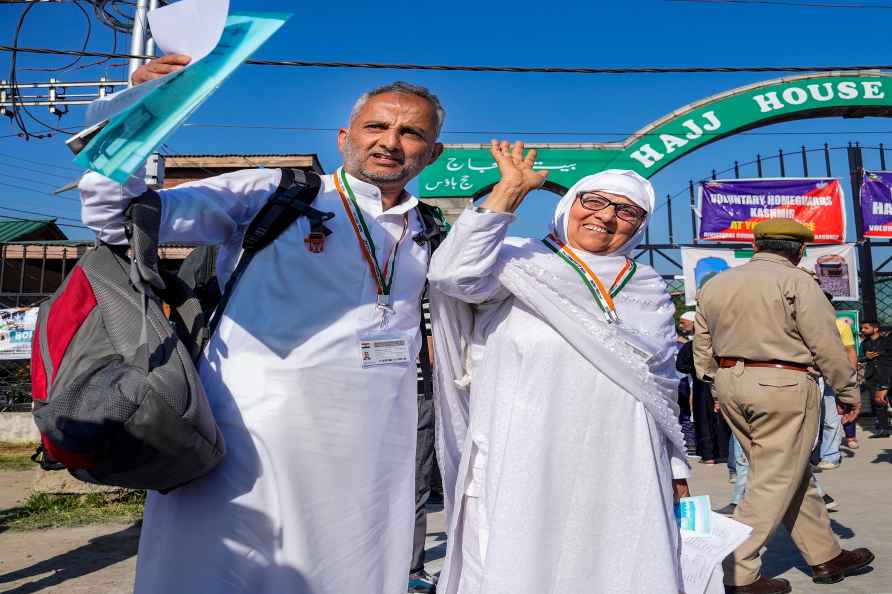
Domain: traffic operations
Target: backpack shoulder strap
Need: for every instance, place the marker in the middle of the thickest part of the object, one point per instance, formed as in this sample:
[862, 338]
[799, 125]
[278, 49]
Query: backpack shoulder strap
[435, 229]
[142, 222]
[292, 199]
[424, 355]
[435, 226]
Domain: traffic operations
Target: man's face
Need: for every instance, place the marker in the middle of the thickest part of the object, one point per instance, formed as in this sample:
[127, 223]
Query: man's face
[867, 329]
[685, 327]
[391, 139]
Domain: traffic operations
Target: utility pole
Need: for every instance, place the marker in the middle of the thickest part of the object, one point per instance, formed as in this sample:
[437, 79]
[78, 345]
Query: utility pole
[150, 43]
[139, 36]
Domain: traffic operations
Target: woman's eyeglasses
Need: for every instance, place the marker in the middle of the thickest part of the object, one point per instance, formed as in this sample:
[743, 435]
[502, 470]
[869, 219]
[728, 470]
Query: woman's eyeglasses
[629, 213]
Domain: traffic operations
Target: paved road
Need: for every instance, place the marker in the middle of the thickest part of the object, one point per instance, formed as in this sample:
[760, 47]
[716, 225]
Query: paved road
[100, 559]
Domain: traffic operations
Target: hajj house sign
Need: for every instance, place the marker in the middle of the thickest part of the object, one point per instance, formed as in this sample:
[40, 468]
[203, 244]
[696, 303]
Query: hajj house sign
[469, 170]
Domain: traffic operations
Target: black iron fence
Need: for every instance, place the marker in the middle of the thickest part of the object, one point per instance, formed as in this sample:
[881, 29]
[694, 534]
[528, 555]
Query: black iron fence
[674, 223]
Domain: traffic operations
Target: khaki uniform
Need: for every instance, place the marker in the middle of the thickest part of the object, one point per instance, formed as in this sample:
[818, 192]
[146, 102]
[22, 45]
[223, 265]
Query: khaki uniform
[770, 310]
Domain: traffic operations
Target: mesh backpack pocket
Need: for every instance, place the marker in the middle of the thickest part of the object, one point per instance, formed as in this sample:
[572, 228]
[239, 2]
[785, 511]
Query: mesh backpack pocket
[117, 398]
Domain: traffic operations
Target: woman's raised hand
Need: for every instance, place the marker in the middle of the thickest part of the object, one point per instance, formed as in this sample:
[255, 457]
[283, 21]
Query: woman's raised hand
[518, 178]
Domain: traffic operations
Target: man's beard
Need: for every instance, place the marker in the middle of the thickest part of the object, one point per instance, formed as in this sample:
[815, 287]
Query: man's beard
[355, 167]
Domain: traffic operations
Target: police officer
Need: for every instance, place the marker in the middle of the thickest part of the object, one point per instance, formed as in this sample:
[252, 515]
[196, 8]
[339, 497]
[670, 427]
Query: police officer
[762, 333]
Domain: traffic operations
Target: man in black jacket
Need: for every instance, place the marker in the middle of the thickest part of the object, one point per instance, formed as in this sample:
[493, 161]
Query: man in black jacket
[877, 349]
[712, 432]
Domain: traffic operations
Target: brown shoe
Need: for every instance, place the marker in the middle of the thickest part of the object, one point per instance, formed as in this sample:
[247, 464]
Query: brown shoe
[763, 585]
[846, 563]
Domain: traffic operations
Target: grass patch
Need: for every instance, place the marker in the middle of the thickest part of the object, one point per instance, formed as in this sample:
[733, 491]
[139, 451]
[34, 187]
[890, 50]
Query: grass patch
[14, 456]
[45, 510]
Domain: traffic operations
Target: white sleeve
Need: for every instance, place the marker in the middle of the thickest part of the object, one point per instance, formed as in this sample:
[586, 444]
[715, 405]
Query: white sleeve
[464, 266]
[681, 469]
[207, 211]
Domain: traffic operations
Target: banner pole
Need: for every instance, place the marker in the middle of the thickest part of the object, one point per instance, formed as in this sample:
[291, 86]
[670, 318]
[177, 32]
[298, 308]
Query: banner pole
[865, 257]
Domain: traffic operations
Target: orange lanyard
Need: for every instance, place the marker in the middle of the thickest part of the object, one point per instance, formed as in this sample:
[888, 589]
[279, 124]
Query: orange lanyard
[603, 298]
[383, 280]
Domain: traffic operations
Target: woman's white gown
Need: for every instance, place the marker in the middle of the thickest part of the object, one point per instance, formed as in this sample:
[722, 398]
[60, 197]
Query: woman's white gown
[572, 473]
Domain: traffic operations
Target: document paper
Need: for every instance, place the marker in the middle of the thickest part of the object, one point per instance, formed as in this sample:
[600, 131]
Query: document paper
[188, 27]
[702, 555]
[131, 136]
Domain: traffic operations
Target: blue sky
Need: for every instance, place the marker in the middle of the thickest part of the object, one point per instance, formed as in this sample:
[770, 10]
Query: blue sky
[649, 33]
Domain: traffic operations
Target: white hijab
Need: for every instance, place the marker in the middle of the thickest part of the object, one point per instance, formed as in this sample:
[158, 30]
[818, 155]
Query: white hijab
[615, 181]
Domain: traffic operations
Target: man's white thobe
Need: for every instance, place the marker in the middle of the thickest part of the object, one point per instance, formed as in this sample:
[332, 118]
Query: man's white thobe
[316, 493]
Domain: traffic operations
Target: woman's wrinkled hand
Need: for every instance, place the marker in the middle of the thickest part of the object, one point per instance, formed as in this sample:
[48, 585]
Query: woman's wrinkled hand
[518, 178]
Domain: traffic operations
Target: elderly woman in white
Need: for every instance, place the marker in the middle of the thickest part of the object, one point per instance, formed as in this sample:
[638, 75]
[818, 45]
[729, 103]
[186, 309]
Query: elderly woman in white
[558, 423]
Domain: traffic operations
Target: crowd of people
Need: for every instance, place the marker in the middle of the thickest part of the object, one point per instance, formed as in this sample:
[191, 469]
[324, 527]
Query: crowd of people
[559, 434]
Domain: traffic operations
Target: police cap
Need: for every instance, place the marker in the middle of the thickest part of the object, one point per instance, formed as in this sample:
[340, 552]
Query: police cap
[783, 229]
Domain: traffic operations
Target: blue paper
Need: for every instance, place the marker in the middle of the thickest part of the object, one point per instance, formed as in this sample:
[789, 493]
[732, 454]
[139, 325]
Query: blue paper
[694, 515]
[127, 141]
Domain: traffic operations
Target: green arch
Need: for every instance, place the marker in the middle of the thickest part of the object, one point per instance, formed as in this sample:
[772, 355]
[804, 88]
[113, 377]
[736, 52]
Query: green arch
[467, 170]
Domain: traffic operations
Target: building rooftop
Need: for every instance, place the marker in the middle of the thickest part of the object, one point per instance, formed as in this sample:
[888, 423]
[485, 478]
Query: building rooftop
[300, 160]
[22, 230]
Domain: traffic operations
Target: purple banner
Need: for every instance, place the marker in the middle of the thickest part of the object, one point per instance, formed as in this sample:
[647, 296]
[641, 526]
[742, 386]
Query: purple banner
[876, 203]
[729, 209]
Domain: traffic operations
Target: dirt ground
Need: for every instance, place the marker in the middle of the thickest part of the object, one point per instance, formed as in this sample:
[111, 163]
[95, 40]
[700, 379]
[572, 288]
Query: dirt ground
[100, 559]
[97, 559]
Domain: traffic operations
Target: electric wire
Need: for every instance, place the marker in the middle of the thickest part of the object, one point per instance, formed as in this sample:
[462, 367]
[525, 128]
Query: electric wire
[41, 192]
[35, 181]
[38, 213]
[35, 170]
[84, 44]
[792, 3]
[13, 77]
[473, 68]
[535, 132]
[44, 163]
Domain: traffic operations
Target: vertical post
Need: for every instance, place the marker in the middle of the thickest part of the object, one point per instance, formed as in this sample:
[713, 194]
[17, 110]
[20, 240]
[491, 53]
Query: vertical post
[804, 162]
[865, 258]
[42, 270]
[713, 174]
[827, 159]
[22, 274]
[780, 158]
[650, 250]
[669, 215]
[759, 165]
[882, 157]
[150, 41]
[693, 211]
[736, 169]
[138, 36]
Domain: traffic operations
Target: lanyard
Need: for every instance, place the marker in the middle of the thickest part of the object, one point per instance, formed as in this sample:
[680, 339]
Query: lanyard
[383, 280]
[603, 298]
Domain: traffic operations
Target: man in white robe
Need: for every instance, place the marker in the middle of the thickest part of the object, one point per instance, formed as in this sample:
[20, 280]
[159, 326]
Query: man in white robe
[316, 493]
